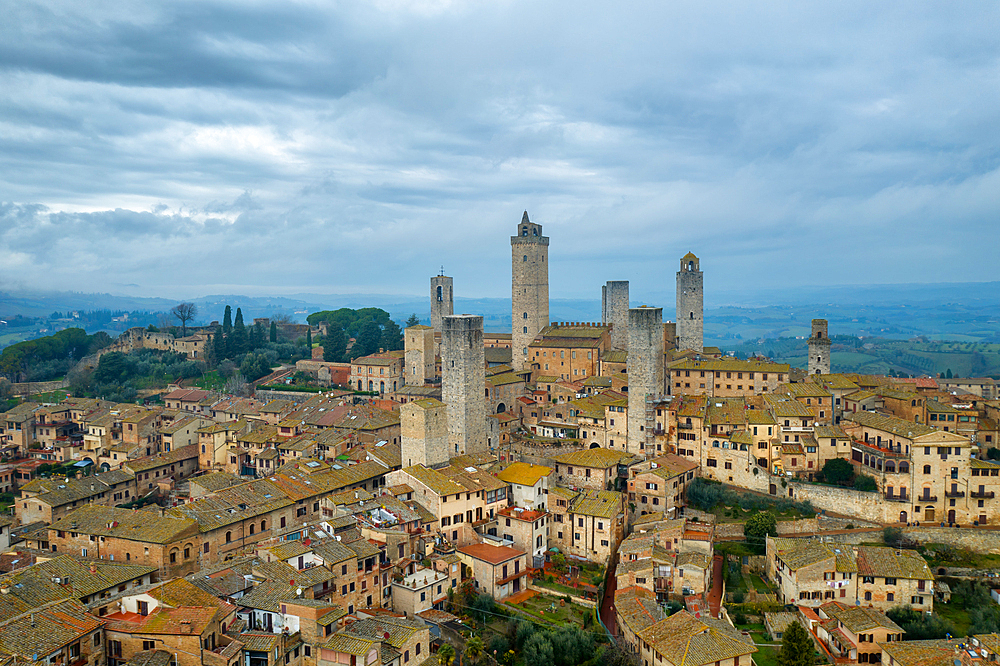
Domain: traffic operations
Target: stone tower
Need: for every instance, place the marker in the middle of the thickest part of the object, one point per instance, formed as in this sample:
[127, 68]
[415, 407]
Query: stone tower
[441, 300]
[614, 311]
[819, 348]
[423, 429]
[690, 304]
[463, 383]
[644, 367]
[418, 343]
[529, 288]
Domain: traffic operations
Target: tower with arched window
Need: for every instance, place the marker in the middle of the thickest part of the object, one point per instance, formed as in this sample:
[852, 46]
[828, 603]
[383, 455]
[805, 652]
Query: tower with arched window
[819, 348]
[529, 288]
[690, 304]
[442, 304]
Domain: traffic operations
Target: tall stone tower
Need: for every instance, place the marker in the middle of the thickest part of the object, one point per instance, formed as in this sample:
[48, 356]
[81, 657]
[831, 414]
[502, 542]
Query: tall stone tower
[418, 346]
[441, 300]
[423, 429]
[819, 348]
[614, 311]
[463, 383]
[644, 368]
[690, 304]
[529, 288]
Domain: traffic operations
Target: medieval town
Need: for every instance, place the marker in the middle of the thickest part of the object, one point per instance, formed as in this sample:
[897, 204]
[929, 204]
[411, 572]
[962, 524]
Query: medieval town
[564, 490]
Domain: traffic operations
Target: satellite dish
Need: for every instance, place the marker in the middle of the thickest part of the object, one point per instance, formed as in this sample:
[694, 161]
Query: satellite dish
[298, 592]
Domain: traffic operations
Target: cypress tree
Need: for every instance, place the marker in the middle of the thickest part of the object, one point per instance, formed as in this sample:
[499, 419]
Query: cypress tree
[219, 345]
[238, 342]
[227, 321]
[309, 341]
[274, 332]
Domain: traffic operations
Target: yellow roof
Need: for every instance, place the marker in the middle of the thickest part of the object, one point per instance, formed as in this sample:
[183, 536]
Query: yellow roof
[524, 474]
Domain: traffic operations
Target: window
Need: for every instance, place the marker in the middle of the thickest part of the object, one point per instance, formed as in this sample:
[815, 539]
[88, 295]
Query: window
[148, 645]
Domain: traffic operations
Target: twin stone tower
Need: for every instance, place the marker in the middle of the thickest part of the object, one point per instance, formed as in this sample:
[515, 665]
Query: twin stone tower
[433, 431]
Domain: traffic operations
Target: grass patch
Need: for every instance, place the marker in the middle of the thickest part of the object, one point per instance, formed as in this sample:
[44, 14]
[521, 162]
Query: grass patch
[759, 584]
[566, 615]
[51, 396]
[766, 656]
[558, 587]
[211, 381]
[945, 555]
[954, 613]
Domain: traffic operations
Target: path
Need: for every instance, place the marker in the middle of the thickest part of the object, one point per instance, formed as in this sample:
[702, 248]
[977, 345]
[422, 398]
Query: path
[608, 614]
[715, 594]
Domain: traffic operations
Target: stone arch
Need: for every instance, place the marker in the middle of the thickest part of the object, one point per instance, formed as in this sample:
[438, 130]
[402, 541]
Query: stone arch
[902, 516]
[595, 445]
[890, 467]
[904, 467]
[501, 408]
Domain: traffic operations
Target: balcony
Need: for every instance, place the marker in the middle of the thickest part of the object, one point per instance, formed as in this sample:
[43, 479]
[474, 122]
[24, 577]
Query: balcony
[685, 426]
[982, 494]
[954, 493]
[926, 498]
[897, 498]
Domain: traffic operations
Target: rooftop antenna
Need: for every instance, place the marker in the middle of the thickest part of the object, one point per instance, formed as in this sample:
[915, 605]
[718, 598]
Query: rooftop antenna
[442, 270]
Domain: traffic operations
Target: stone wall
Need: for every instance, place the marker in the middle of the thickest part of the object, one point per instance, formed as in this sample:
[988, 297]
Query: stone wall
[867, 506]
[23, 389]
[614, 311]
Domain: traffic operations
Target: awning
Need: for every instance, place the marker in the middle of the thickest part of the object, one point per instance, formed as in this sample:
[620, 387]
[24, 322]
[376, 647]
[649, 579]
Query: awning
[83, 463]
[553, 549]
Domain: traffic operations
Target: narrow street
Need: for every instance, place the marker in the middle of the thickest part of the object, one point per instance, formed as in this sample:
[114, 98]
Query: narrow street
[715, 594]
[607, 609]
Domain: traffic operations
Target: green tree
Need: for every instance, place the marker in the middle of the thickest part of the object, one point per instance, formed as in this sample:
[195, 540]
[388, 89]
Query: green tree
[238, 341]
[227, 321]
[414, 320]
[920, 626]
[865, 482]
[255, 366]
[219, 345]
[758, 527]
[948, 374]
[274, 331]
[571, 646]
[446, 655]
[838, 471]
[256, 336]
[474, 649]
[334, 344]
[309, 341]
[112, 368]
[367, 341]
[392, 336]
[537, 651]
[796, 647]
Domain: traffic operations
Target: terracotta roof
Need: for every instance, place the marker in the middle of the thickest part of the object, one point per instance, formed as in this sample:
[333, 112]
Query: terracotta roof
[597, 458]
[685, 640]
[490, 553]
[890, 563]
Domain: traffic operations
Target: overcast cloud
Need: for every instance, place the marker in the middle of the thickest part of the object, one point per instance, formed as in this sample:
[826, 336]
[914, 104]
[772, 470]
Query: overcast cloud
[278, 147]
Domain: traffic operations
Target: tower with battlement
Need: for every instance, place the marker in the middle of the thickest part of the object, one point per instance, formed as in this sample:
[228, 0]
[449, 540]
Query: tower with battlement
[418, 346]
[423, 429]
[463, 383]
[614, 311]
[690, 304]
[819, 348]
[442, 304]
[644, 368]
[529, 288]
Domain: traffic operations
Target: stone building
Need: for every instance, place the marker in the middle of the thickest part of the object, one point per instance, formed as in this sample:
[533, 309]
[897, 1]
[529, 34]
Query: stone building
[685, 640]
[418, 344]
[690, 304]
[529, 288]
[819, 348]
[614, 311]
[442, 304]
[424, 432]
[569, 350]
[463, 383]
[645, 371]
[499, 571]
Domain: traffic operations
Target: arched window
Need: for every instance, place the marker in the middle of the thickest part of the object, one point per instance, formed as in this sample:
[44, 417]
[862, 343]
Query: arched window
[251, 528]
[440, 293]
[525, 258]
[904, 467]
[692, 315]
[690, 265]
[890, 467]
[263, 525]
[525, 315]
[868, 596]
[927, 469]
[229, 537]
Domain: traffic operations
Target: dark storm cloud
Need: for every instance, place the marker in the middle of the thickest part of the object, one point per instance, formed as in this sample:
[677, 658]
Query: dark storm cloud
[336, 146]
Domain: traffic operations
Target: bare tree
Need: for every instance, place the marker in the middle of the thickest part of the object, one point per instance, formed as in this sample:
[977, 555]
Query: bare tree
[185, 312]
[237, 386]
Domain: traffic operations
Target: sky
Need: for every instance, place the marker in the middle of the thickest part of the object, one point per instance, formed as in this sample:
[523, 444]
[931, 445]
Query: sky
[188, 148]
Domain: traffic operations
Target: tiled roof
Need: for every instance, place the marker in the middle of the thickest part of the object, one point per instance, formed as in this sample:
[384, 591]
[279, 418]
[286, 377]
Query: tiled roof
[940, 652]
[830, 431]
[859, 618]
[729, 365]
[160, 459]
[433, 479]
[725, 411]
[638, 611]
[782, 407]
[142, 526]
[268, 596]
[47, 628]
[890, 563]
[597, 503]
[524, 474]
[598, 458]
[349, 644]
[685, 640]
[798, 553]
[889, 424]
[490, 553]
[215, 481]
[804, 390]
[85, 581]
